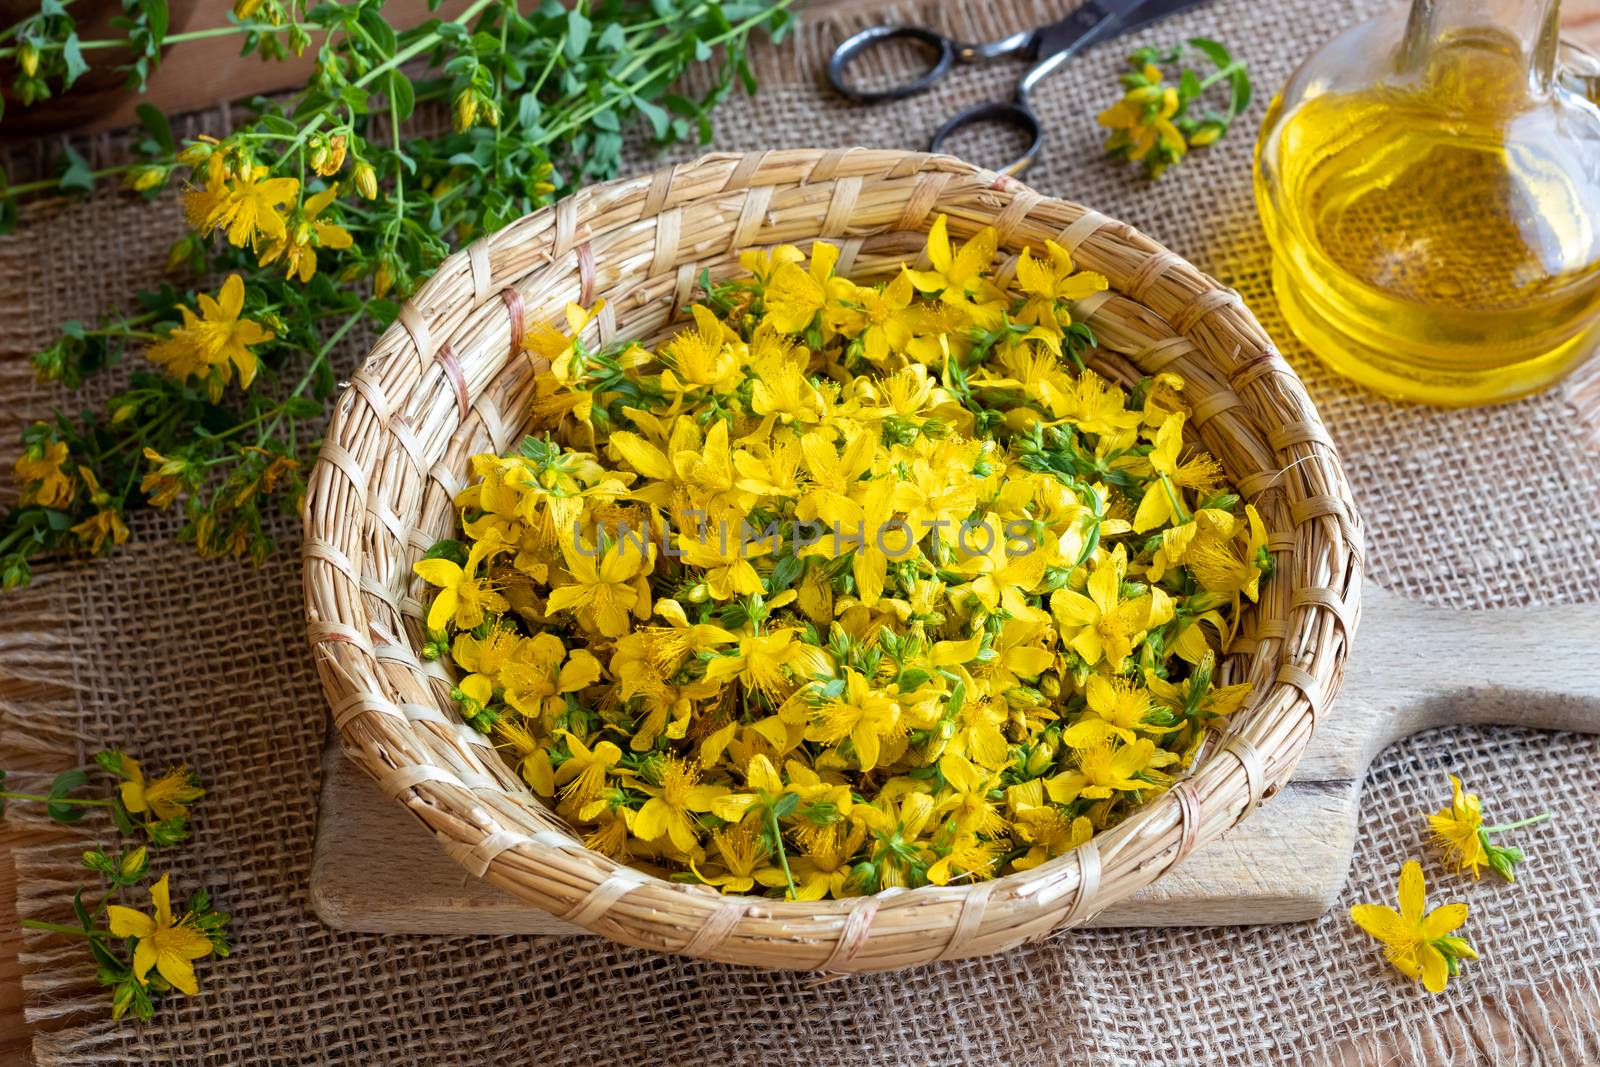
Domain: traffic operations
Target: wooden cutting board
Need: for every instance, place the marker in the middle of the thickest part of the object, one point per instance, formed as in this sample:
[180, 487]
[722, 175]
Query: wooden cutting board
[1414, 667]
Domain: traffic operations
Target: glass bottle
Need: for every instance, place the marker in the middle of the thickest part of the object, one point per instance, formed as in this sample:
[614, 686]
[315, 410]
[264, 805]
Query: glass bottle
[1430, 186]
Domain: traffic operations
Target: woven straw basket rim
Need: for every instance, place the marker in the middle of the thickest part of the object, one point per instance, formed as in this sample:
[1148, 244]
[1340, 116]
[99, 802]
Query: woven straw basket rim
[449, 380]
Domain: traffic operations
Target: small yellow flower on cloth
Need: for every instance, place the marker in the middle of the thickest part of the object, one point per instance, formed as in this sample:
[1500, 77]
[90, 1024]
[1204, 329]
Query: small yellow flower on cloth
[1420, 945]
[39, 471]
[167, 945]
[168, 797]
[106, 523]
[214, 343]
[241, 200]
[1459, 832]
[298, 243]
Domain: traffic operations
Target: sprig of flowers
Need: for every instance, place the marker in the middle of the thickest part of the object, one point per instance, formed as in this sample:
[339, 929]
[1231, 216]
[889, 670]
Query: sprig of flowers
[1459, 832]
[847, 585]
[1155, 124]
[140, 957]
[312, 217]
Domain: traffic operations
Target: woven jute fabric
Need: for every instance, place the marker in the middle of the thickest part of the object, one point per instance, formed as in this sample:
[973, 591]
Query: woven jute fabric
[181, 659]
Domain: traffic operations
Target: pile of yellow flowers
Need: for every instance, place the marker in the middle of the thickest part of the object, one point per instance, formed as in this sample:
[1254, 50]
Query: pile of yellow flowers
[847, 586]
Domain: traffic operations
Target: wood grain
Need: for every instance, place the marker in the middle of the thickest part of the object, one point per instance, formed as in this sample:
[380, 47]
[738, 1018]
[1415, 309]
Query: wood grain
[1415, 667]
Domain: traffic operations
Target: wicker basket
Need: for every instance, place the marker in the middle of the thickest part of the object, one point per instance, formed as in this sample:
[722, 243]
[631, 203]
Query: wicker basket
[450, 380]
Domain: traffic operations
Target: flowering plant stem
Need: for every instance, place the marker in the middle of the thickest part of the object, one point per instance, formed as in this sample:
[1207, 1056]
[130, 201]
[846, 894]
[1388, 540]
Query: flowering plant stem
[308, 222]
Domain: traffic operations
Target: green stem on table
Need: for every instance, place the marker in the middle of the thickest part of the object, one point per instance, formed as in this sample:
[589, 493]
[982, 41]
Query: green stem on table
[1519, 824]
[176, 38]
[58, 928]
[55, 183]
[316, 362]
[56, 800]
[1230, 69]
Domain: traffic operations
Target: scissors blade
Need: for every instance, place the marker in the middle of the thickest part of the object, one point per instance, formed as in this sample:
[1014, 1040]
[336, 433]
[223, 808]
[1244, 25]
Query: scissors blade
[1147, 14]
[1101, 20]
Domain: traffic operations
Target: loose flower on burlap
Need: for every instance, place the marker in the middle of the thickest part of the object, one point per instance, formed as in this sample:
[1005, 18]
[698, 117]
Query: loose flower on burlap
[141, 958]
[1421, 944]
[1156, 123]
[1459, 832]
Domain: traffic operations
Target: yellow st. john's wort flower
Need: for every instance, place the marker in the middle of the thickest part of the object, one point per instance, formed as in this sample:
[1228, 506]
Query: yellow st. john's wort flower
[1102, 625]
[214, 343]
[242, 201]
[1419, 945]
[793, 296]
[606, 585]
[1051, 281]
[1107, 765]
[168, 797]
[1142, 119]
[106, 523]
[959, 276]
[298, 244]
[867, 716]
[168, 945]
[673, 804]
[165, 479]
[463, 596]
[1459, 832]
[39, 472]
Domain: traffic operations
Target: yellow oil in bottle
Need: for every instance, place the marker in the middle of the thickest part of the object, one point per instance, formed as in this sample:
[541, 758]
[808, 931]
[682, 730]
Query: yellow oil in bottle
[1438, 240]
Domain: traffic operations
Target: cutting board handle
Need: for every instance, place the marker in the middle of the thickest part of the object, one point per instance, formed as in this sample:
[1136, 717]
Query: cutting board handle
[1417, 666]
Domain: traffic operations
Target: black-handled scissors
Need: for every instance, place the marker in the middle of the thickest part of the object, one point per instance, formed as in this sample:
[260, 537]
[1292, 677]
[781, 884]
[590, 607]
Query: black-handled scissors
[1048, 46]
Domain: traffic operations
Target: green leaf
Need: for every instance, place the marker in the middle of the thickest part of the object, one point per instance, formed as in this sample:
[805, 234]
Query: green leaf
[528, 111]
[1239, 98]
[578, 29]
[785, 572]
[355, 99]
[301, 407]
[72, 52]
[1188, 85]
[659, 120]
[1216, 51]
[76, 176]
[155, 13]
[449, 549]
[403, 96]
[378, 28]
[156, 125]
[65, 783]
[79, 910]
[119, 815]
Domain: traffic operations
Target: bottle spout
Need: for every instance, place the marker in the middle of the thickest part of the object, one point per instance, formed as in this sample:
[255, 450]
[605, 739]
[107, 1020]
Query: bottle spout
[1525, 31]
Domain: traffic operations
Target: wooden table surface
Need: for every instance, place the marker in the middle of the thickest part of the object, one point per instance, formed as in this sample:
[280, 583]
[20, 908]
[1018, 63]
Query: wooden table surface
[1582, 21]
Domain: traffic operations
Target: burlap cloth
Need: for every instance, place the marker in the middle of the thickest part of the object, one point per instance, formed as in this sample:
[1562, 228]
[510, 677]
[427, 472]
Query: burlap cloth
[180, 659]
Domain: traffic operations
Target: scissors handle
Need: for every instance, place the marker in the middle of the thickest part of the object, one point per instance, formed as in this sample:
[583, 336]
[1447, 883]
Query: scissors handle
[1016, 115]
[854, 46]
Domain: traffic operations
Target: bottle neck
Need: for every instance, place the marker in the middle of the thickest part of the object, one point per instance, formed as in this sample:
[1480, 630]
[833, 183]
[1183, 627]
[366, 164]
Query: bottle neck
[1523, 30]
